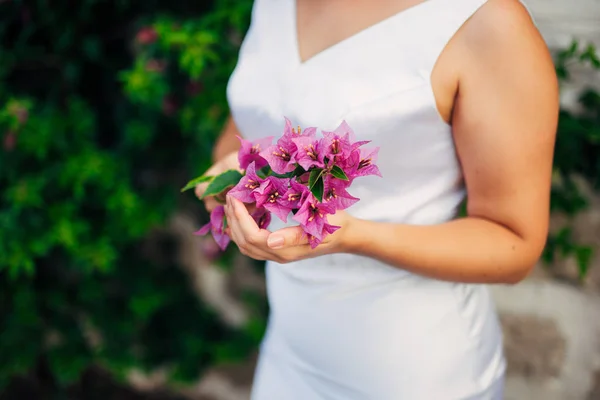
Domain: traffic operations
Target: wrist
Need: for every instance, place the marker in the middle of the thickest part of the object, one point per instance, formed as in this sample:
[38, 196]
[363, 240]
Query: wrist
[351, 238]
[225, 157]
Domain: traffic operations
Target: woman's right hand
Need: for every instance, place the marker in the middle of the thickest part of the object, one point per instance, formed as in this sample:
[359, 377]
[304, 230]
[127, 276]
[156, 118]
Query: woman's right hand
[228, 162]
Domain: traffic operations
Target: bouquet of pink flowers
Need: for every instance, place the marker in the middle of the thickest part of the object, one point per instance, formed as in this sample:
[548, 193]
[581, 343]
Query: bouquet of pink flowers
[301, 174]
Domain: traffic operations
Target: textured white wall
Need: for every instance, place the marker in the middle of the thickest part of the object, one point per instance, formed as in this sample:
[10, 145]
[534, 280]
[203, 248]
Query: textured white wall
[560, 21]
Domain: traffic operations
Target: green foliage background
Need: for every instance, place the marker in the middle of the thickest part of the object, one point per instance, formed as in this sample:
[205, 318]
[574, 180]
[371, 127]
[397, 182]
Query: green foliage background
[106, 109]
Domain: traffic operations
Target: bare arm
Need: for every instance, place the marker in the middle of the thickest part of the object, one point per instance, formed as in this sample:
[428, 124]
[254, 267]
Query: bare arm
[504, 124]
[227, 141]
[224, 158]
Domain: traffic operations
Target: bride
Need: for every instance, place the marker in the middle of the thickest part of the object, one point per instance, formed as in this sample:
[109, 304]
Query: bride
[461, 96]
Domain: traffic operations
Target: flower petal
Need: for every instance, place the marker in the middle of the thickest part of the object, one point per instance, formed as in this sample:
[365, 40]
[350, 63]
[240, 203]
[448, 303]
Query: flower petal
[204, 230]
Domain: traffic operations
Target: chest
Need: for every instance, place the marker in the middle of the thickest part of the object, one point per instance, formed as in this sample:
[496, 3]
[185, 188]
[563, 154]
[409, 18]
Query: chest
[322, 24]
[376, 79]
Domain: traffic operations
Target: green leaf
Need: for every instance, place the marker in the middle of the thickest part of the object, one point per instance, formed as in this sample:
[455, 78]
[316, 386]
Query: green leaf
[573, 48]
[315, 183]
[195, 182]
[263, 172]
[583, 255]
[318, 188]
[314, 175]
[338, 173]
[222, 182]
[296, 172]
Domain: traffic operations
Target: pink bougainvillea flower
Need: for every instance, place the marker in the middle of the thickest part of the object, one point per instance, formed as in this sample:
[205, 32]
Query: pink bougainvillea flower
[335, 193]
[312, 215]
[270, 195]
[262, 217]
[210, 249]
[281, 192]
[281, 156]
[146, 35]
[340, 143]
[250, 152]
[216, 226]
[336, 146]
[291, 132]
[344, 130]
[304, 178]
[245, 189]
[288, 129]
[362, 163]
[310, 152]
[327, 229]
[295, 195]
[10, 141]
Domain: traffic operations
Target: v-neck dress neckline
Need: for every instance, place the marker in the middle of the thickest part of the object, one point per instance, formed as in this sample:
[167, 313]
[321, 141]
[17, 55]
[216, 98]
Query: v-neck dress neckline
[347, 41]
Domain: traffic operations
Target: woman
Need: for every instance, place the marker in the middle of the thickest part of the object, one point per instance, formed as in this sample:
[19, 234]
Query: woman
[462, 98]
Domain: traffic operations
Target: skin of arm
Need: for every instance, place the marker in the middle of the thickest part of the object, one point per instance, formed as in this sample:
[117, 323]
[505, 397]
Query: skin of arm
[224, 157]
[504, 125]
[227, 142]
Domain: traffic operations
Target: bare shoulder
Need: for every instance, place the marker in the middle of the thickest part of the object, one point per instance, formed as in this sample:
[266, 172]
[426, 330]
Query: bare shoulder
[504, 13]
[503, 54]
[504, 28]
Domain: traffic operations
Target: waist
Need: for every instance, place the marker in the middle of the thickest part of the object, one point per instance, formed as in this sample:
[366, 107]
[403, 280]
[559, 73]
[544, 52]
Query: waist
[340, 269]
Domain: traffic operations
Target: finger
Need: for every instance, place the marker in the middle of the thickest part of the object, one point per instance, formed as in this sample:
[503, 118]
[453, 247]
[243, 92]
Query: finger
[232, 224]
[287, 237]
[200, 189]
[210, 203]
[221, 197]
[252, 237]
[251, 207]
[237, 234]
[244, 243]
[245, 220]
[214, 169]
[256, 253]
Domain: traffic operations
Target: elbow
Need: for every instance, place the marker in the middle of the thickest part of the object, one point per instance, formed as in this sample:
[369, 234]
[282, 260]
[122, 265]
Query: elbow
[526, 253]
[518, 274]
[522, 267]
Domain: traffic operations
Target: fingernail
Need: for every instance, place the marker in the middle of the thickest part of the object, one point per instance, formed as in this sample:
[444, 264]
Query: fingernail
[275, 242]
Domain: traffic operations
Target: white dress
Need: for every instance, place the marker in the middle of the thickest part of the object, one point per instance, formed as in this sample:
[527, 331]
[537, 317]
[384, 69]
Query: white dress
[346, 327]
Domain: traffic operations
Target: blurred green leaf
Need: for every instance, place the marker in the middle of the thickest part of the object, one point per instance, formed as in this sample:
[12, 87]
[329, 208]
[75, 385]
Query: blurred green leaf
[97, 127]
[195, 182]
[221, 182]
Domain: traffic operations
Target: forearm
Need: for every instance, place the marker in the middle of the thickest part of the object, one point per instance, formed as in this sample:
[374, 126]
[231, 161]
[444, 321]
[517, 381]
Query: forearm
[227, 142]
[464, 250]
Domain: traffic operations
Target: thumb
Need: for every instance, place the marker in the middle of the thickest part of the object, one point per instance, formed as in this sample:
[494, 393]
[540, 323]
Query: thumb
[287, 237]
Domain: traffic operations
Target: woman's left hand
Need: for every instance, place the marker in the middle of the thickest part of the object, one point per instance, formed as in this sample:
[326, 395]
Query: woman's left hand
[282, 246]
